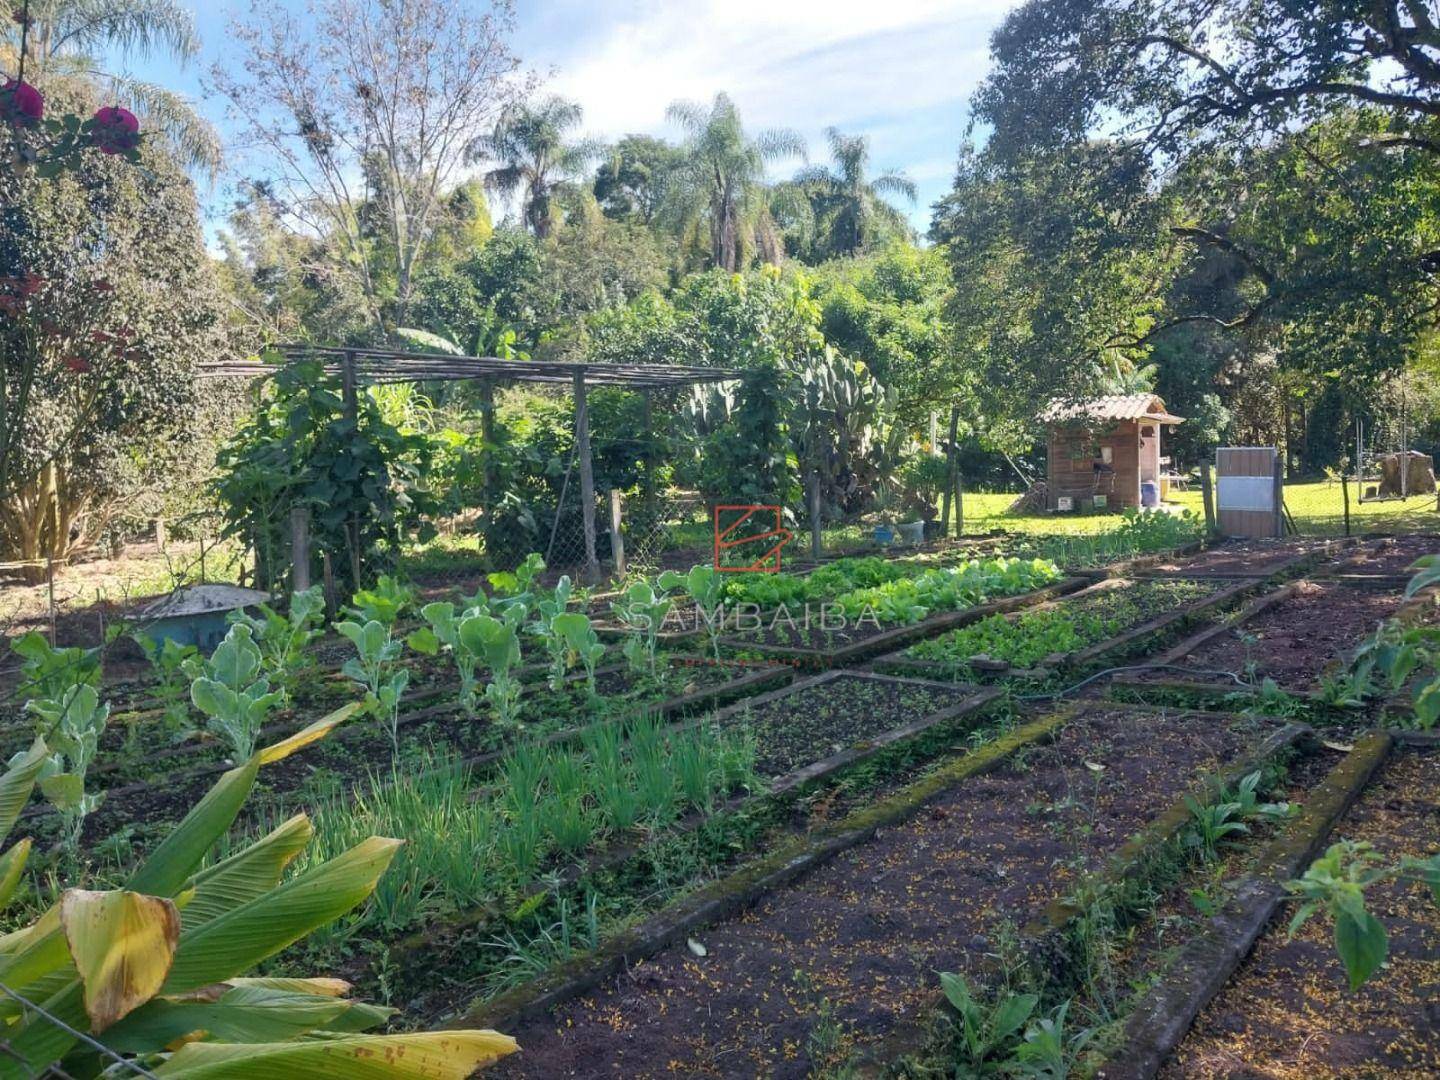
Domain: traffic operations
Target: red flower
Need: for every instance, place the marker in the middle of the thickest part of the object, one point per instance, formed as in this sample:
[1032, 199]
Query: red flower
[116, 130]
[76, 363]
[20, 104]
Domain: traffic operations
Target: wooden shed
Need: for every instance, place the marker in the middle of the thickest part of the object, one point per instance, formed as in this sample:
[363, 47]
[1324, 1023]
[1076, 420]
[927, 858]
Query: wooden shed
[1103, 449]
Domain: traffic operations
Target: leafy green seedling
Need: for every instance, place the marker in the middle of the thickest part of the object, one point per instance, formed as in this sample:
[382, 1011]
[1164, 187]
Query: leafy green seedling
[579, 638]
[284, 639]
[497, 643]
[373, 669]
[71, 727]
[706, 588]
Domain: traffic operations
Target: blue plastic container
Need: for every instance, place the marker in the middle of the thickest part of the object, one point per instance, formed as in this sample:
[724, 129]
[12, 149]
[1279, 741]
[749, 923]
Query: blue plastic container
[1149, 493]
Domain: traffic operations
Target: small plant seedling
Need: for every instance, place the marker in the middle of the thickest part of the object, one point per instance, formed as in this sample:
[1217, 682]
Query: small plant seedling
[283, 640]
[71, 727]
[374, 670]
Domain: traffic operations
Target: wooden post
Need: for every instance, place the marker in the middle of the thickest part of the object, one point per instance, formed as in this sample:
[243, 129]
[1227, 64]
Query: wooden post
[299, 548]
[1207, 497]
[332, 602]
[487, 429]
[649, 399]
[50, 593]
[952, 470]
[959, 504]
[350, 393]
[815, 546]
[1279, 497]
[587, 476]
[161, 539]
[1345, 493]
[617, 538]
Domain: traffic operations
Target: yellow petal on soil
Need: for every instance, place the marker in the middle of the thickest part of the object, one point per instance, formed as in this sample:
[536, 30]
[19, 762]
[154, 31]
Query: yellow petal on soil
[122, 944]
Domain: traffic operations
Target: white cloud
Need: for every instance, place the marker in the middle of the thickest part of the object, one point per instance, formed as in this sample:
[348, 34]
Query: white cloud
[804, 64]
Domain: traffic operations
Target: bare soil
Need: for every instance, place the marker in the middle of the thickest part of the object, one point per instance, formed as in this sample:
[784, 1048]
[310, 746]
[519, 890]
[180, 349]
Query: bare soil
[1287, 1014]
[1240, 558]
[839, 958]
[1295, 641]
[1392, 555]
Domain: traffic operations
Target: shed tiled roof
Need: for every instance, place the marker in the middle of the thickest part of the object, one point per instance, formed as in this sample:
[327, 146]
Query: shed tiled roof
[1112, 407]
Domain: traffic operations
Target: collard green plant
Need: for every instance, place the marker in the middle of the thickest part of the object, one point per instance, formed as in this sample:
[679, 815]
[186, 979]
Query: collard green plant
[284, 640]
[172, 685]
[547, 610]
[1398, 652]
[575, 634]
[71, 727]
[374, 670]
[706, 588]
[231, 691]
[384, 603]
[988, 1032]
[496, 642]
[642, 608]
[48, 672]
[156, 968]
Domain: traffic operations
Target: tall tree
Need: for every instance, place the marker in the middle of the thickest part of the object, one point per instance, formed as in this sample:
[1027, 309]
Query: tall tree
[70, 41]
[852, 210]
[722, 179]
[369, 105]
[634, 179]
[530, 144]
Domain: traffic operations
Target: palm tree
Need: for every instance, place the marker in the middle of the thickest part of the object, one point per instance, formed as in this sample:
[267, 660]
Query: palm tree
[851, 204]
[67, 39]
[723, 177]
[529, 144]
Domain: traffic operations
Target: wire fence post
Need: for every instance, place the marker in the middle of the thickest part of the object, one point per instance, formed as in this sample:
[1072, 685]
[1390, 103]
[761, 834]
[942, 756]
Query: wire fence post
[1207, 496]
[50, 592]
[587, 476]
[1345, 494]
[299, 548]
[952, 472]
[815, 545]
[617, 539]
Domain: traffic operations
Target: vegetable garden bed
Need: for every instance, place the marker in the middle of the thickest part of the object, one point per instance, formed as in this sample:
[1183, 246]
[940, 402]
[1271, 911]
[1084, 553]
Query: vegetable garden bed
[1247, 559]
[1287, 1011]
[1289, 636]
[150, 797]
[851, 948]
[815, 647]
[1387, 558]
[1111, 617]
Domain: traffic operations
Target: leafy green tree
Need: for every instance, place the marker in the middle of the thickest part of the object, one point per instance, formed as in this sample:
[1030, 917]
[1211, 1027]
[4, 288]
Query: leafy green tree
[851, 210]
[106, 301]
[720, 184]
[633, 182]
[70, 43]
[535, 157]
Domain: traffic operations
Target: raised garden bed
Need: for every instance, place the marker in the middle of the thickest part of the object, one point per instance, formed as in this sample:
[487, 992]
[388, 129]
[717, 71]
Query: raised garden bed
[1387, 558]
[1247, 559]
[361, 747]
[1111, 617]
[852, 947]
[818, 648]
[1287, 1010]
[1290, 636]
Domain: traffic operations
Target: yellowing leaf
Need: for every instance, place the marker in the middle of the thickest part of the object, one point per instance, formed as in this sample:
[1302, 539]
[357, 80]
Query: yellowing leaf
[308, 734]
[122, 944]
[12, 865]
[434, 1055]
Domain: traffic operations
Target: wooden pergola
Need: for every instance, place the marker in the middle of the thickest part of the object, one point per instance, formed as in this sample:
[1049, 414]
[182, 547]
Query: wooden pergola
[371, 366]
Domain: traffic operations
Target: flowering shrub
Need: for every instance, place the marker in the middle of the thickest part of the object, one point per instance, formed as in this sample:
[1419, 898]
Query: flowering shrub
[21, 105]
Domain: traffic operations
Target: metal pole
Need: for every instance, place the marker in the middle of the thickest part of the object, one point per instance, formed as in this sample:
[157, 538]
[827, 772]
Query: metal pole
[587, 476]
[1345, 492]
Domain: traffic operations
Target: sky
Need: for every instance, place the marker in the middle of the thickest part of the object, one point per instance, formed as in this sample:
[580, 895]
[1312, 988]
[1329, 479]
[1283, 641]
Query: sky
[899, 71]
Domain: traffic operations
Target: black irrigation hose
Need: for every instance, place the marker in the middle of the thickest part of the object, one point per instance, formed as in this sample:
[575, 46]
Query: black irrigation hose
[1133, 667]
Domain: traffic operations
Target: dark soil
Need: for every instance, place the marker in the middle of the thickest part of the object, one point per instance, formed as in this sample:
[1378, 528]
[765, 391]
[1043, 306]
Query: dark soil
[812, 722]
[1296, 640]
[1240, 558]
[1392, 555]
[838, 959]
[1287, 1012]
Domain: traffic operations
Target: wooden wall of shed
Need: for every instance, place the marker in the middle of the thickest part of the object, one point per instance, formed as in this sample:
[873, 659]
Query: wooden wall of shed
[1070, 465]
